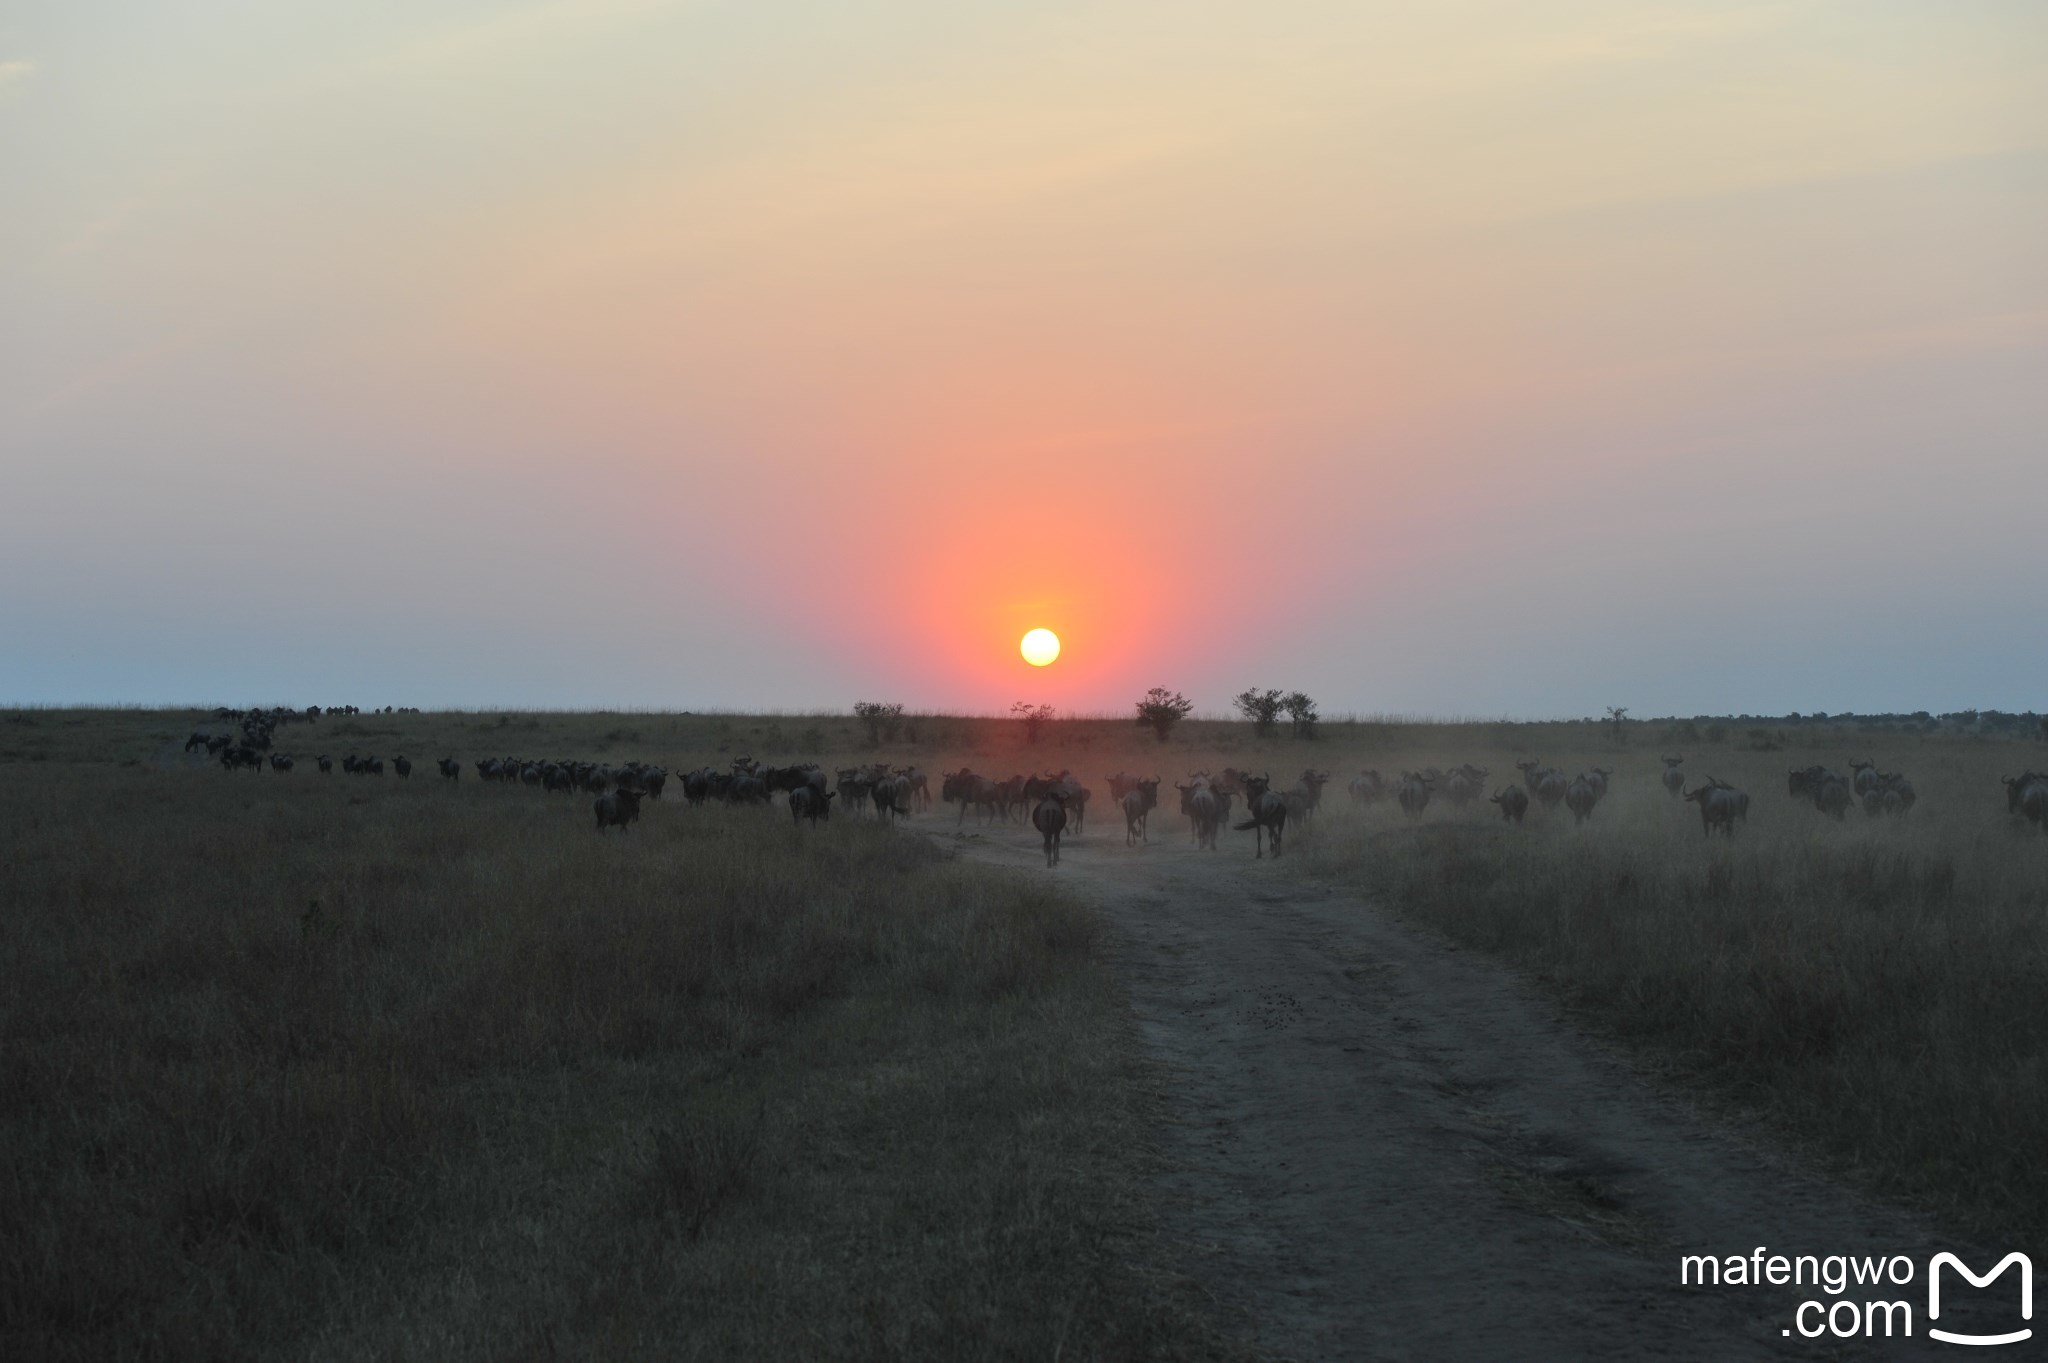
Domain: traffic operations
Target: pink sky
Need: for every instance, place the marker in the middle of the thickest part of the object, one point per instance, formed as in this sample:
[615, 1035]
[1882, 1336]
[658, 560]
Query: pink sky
[1476, 358]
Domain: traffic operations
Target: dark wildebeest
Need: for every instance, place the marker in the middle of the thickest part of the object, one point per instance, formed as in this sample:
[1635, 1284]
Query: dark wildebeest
[969, 789]
[1075, 796]
[1720, 805]
[2027, 796]
[280, 762]
[891, 795]
[219, 743]
[808, 802]
[1205, 809]
[1464, 784]
[198, 740]
[1863, 777]
[1311, 786]
[1673, 778]
[1049, 817]
[1138, 803]
[1268, 813]
[451, 770]
[854, 788]
[1368, 787]
[326, 764]
[400, 765]
[619, 806]
[1513, 802]
[1413, 794]
[1120, 785]
[1899, 795]
[1580, 797]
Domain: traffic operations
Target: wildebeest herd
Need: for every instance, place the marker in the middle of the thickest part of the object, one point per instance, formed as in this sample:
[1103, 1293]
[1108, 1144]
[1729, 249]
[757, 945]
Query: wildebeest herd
[1055, 804]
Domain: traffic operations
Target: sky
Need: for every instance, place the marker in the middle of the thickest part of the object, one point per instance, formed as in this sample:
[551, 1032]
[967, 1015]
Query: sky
[1475, 358]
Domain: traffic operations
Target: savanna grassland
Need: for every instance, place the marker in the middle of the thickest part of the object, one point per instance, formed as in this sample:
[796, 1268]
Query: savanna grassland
[335, 1067]
[1875, 989]
[327, 1067]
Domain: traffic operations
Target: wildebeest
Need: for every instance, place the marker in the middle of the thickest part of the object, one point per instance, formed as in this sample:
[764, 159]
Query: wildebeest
[1413, 794]
[2027, 796]
[280, 762]
[326, 764]
[1864, 778]
[1138, 803]
[969, 789]
[853, 788]
[1597, 779]
[1311, 788]
[1580, 797]
[891, 795]
[1899, 795]
[1673, 778]
[808, 802]
[1074, 796]
[1513, 802]
[1198, 803]
[1268, 814]
[451, 770]
[198, 740]
[1464, 784]
[1368, 787]
[619, 806]
[1720, 805]
[1049, 817]
[400, 765]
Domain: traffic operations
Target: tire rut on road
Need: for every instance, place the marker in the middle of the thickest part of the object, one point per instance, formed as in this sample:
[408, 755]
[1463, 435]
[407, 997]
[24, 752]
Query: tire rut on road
[1384, 1147]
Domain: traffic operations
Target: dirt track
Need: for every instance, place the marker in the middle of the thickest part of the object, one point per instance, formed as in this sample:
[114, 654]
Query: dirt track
[1388, 1148]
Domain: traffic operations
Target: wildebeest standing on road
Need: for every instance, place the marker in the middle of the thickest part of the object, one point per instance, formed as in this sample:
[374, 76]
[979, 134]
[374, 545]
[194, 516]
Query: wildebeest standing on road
[1049, 817]
[1139, 802]
[1268, 814]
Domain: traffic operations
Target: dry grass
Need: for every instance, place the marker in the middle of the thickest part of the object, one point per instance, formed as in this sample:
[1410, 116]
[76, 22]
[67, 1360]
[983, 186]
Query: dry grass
[1873, 988]
[336, 1067]
[340, 1068]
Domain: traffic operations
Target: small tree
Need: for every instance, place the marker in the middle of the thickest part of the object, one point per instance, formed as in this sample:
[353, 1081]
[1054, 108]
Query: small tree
[1161, 709]
[1035, 717]
[882, 718]
[1302, 711]
[1260, 707]
[1615, 715]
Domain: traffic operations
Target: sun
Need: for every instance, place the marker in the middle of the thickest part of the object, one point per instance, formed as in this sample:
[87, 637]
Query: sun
[1040, 647]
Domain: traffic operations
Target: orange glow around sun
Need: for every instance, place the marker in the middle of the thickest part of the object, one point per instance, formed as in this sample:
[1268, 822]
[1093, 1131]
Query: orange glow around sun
[1040, 647]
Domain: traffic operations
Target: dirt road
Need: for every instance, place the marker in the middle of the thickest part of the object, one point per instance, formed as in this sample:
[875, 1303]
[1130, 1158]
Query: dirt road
[1388, 1148]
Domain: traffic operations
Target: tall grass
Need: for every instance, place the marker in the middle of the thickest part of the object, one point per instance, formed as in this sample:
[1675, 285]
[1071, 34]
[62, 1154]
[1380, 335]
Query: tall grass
[1874, 987]
[325, 1068]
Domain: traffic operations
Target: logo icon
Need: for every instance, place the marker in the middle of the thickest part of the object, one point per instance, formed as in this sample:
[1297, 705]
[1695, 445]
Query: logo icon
[2026, 1296]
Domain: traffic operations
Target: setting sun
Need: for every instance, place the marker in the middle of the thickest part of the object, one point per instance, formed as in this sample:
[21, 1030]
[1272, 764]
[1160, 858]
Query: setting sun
[1040, 647]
